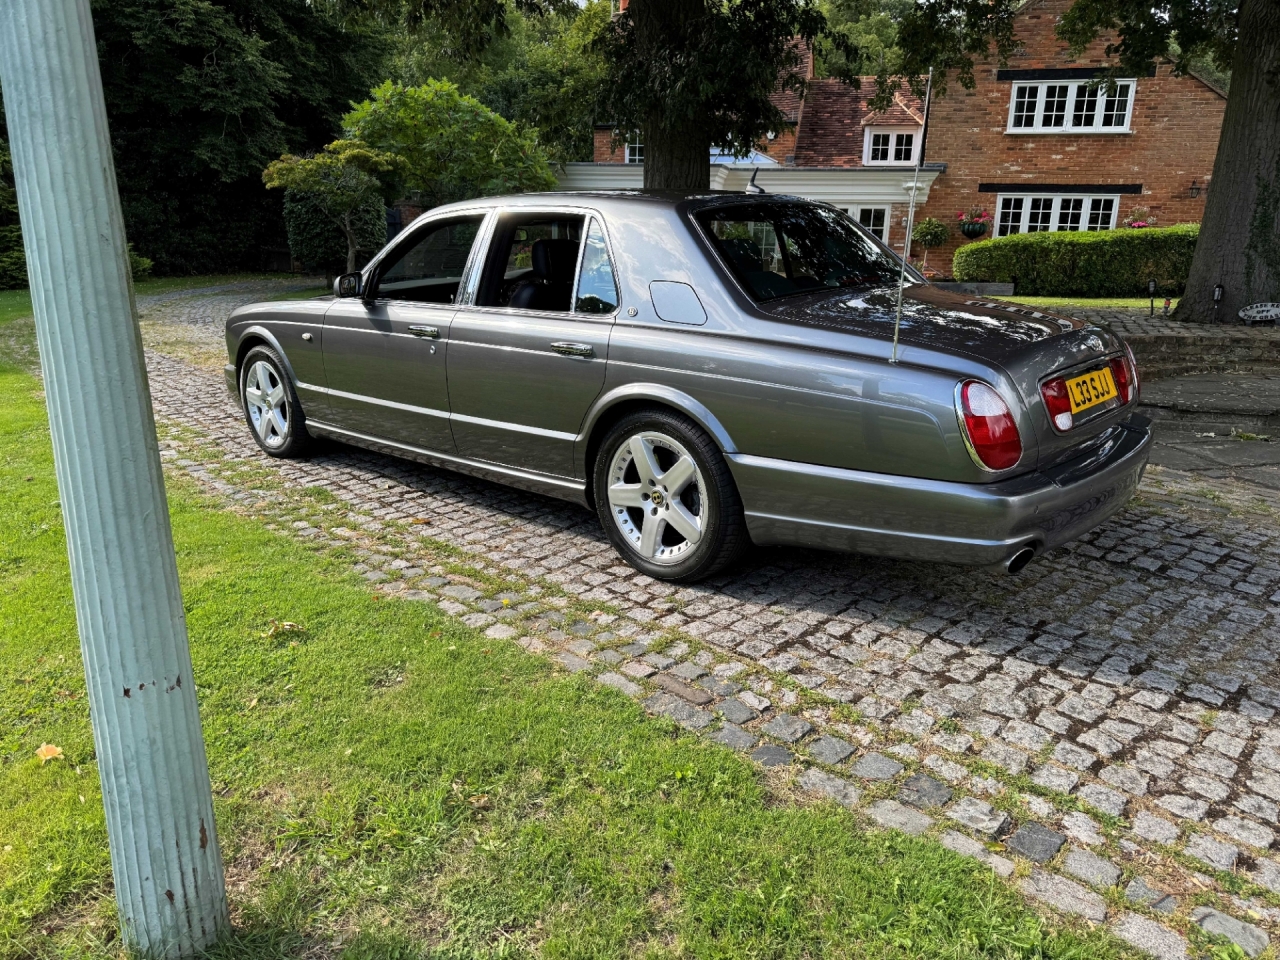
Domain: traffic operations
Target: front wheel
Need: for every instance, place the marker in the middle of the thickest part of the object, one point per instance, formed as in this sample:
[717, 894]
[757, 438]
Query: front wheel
[666, 498]
[271, 405]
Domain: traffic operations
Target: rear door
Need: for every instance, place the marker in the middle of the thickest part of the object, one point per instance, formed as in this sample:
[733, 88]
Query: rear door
[527, 358]
[385, 355]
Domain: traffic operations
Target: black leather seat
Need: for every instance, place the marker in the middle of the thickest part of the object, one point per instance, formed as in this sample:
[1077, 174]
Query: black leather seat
[550, 285]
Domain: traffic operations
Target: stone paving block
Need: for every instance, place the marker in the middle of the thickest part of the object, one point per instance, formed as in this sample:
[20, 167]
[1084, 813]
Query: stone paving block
[1266, 873]
[678, 710]
[735, 738]
[572, 662]
[1025, 735]
[1220, 856]
[1150, 937]
[1154, 828]
[946, 769]
[894, 816]
[1245, 831]
[1252, 940]
[1127, 779]
[452, 607]
[638, 670]
[687, 671]
[501, 631]
[1139, 891]
[659, 661]
[1064, 895]
[1068, 754]
[876, 766]
[819, 781]
[670, 684]
[980, 817]
[771, 755]
[787, 728]
[461, 591]
[953, 742]
[1006, 757]
[735, 711]
[922, 791]
[1091, 868]
[619, 683]
[1184, 806]
[1108, 801]
[1082, 828]
[1055, 778]
[830, 750]
[968, 847]
[717, 687]
[1035, 842]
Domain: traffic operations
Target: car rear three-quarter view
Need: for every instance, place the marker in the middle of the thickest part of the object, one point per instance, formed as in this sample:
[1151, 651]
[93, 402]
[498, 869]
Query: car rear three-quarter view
[706, 373]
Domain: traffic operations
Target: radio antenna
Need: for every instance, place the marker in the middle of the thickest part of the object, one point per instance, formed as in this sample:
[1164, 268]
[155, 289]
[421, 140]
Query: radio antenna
[911, 217]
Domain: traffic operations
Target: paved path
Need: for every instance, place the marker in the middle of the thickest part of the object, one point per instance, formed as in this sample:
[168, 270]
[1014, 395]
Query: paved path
[1110, 712]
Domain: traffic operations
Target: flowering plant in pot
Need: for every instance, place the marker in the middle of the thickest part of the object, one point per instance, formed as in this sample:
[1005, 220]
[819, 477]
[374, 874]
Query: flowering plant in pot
[973, 222]
[1138, 218]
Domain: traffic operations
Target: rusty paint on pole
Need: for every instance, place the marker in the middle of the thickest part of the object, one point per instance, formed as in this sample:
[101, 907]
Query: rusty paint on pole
[155, 780]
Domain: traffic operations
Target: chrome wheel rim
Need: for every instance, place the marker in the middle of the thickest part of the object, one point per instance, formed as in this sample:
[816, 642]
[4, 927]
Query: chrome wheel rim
[264, 398]
[657, 497]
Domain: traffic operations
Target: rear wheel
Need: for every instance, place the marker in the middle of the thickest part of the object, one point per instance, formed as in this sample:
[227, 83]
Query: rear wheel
[666, 498]
[271, 405]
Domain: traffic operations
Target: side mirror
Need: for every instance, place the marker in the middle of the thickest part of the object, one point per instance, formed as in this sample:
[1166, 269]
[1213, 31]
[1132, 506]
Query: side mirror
[348, 285]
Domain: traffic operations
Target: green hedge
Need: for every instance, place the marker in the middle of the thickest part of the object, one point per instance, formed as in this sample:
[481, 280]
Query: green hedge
[1106, 263]
[317, 243]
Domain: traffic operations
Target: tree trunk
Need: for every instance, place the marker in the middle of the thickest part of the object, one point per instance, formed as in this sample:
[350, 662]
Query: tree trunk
[1239, 245]
[677, 151]
[352, 246]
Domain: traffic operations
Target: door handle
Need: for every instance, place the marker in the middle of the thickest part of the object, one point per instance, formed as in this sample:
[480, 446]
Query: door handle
[418, 330]
[573, 349]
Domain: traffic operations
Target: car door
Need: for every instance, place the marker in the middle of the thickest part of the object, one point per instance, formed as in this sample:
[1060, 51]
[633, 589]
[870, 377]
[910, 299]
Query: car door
[385, 354]
[527, 357]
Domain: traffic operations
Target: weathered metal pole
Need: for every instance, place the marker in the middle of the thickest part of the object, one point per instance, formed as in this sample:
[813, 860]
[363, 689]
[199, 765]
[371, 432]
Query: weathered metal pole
[133, 636]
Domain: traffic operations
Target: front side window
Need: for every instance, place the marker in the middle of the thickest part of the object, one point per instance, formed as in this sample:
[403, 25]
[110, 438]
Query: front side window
[781, 249]
[428, 266]
[597, 290]
[531, 262]
[1044, 107]
[1027, 214]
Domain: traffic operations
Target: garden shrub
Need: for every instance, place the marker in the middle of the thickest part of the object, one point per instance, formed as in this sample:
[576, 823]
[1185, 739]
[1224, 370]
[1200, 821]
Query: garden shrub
[316, 241]
[1105, 263]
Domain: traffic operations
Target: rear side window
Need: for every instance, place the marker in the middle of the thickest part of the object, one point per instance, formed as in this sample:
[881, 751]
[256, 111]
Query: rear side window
[532, 260]
[597, 290]
[428, 266]
[782, 249]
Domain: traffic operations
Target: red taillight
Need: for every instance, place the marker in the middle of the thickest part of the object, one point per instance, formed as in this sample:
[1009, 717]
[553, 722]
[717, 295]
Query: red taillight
[1120, 373]
[1058, 403]
[993, 436]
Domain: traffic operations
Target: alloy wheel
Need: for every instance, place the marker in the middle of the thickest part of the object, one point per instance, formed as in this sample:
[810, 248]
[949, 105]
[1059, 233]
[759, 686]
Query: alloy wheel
[265, 398]
[657, 497]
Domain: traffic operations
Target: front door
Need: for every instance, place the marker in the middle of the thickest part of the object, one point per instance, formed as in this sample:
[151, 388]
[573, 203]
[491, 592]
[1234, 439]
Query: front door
[385, 355]
[527, 360]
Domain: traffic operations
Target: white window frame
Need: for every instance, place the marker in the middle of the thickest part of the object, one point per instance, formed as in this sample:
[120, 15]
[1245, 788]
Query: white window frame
[1080, 90]
[634, 151]
[1058, 208]
[856, 213]
[893, 133]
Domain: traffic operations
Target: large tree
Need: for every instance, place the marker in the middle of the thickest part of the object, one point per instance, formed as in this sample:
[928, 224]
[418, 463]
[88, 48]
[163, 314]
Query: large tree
[1239, 244]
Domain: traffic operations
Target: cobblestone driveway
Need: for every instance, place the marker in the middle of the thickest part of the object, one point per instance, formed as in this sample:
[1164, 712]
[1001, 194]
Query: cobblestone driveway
[1108, 714]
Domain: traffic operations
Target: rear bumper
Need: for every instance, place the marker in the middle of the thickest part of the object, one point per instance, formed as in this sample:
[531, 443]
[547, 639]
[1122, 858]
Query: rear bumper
[984, 524]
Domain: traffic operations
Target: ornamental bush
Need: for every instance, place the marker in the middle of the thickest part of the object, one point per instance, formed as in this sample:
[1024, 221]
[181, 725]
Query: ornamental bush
[1104, 263]
[318, 243]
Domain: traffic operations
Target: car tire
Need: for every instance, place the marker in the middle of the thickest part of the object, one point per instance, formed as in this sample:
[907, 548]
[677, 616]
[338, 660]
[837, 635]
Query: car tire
[681, 530]
[271, 406]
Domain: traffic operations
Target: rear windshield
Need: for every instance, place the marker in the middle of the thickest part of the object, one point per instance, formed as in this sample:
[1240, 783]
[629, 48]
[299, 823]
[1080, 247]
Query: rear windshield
[780, 249]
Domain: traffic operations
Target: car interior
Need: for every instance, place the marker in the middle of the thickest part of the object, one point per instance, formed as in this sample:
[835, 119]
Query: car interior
[427, 267]
[532, 262]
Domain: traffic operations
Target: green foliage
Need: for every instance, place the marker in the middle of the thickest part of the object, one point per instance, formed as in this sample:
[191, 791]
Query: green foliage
[139, 266]
[930, 232]
[870, 28]
[452, 146]
[317, 242]
[13, 264]
[202, 95]
[1107, 263]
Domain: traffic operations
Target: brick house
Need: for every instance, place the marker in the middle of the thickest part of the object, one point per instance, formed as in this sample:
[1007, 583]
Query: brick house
[1041, 149]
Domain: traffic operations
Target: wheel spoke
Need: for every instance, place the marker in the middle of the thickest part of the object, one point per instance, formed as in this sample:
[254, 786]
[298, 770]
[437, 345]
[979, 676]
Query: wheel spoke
[276, 396]
[254, 396]
[626, 495]
[277, 417]
[264, 424]
[651, 535]
[686, 523]
[678, 477]
[646, 464]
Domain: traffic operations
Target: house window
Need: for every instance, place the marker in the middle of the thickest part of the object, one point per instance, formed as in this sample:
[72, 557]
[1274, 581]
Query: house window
[1044, 107]
[635, 149]
[1031, 214]
[890, 146]
[875, 219]
[879, 148]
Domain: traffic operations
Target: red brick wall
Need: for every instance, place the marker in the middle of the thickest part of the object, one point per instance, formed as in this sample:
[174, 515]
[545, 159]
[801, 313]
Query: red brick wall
[1175, 124]
[604, 151]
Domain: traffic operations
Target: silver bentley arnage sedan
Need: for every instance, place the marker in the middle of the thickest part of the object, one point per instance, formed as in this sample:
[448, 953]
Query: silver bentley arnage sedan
[706, 372]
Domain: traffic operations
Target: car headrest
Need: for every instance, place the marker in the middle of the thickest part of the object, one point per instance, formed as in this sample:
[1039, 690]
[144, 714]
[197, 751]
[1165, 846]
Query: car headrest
[555, 260]
[743, 253]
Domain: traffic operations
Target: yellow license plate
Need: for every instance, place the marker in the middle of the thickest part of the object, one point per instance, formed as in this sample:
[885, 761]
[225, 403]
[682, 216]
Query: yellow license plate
[1091, 389]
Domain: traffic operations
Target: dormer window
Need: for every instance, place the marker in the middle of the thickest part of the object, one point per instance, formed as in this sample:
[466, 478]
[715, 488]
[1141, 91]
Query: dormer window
[1077, 107]
[890, 146]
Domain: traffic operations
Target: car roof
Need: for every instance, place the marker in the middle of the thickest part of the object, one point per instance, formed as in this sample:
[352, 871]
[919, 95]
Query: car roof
[664, 198]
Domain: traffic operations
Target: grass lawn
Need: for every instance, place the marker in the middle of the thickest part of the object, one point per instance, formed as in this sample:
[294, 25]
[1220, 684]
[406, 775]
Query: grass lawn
[1098, 303]
[390, 784]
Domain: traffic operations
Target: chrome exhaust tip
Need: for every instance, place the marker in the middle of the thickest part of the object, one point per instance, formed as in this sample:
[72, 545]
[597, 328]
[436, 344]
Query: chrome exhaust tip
[1020, 559]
